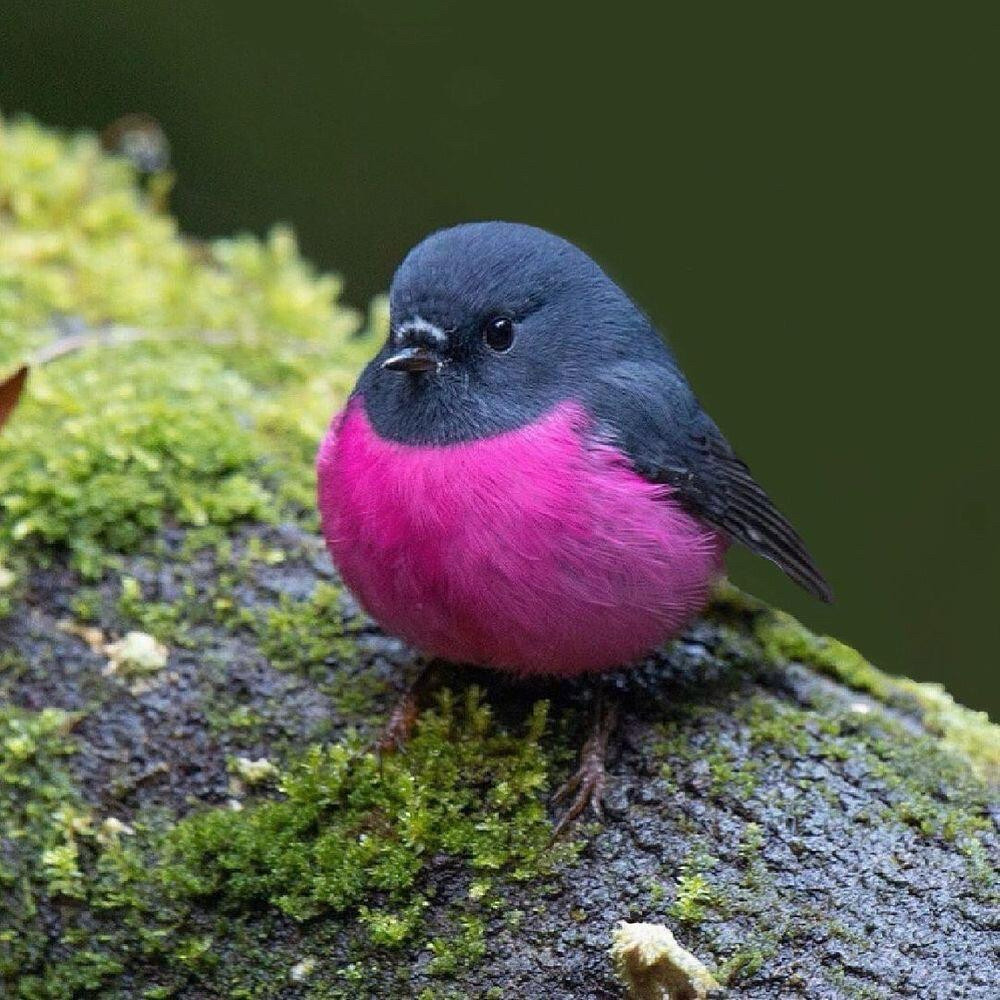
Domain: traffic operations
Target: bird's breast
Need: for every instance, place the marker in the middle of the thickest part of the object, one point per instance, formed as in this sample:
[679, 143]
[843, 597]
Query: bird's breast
[537, 550]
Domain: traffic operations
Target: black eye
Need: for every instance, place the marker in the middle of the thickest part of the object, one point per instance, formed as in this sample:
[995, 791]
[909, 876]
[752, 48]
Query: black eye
[499, 333]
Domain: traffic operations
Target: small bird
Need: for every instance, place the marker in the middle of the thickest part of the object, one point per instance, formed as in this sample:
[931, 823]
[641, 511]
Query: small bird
[141, 140]
[523, 479]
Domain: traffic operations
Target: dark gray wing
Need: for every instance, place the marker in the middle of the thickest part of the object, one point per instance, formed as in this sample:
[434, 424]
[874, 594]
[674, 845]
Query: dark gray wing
[654, 417]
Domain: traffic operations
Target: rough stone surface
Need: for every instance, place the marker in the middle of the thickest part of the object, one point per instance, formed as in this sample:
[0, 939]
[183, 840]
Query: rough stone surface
[760, 810]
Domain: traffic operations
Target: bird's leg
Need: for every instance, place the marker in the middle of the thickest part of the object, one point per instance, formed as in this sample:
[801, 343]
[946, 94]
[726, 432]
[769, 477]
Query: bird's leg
[403, 717]
[586, 786]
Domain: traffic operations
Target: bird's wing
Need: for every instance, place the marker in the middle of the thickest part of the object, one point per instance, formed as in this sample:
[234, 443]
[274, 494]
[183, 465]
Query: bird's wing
[655, 418]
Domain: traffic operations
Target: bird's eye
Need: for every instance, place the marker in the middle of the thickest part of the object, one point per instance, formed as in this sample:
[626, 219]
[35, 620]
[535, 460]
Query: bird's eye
[499, 333]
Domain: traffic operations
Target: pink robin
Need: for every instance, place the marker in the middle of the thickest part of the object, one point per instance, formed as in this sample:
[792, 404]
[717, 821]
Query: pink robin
[522, 478]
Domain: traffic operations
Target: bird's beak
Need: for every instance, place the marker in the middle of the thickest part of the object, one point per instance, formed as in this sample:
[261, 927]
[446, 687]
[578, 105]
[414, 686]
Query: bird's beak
[411, 359]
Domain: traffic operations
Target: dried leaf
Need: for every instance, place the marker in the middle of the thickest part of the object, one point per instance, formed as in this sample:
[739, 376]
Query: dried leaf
[10, 392]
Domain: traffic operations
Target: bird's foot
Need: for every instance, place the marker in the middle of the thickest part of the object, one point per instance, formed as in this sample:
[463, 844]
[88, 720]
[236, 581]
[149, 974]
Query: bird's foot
[585, 788]
[398, 730]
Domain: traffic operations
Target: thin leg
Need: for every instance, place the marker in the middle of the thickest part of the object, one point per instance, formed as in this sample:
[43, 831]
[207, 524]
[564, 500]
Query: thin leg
[586, 786]
[403, 717]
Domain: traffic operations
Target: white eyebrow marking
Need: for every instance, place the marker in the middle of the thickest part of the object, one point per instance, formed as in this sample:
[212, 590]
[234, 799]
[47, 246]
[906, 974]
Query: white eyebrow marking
[417, 324]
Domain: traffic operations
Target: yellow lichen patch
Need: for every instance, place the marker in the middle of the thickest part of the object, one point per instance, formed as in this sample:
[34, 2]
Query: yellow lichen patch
[78, 238]
[654, 966]
[254, 772]
[960, 729]
[136, 653]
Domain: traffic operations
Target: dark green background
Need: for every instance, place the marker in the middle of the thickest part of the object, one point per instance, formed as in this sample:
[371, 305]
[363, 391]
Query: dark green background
[804, 202]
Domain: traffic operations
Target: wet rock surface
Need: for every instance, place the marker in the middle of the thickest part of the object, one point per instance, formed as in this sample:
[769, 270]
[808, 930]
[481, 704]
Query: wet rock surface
[800, 838]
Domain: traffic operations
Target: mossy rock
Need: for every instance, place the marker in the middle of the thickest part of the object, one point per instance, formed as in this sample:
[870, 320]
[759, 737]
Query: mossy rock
[216, 827]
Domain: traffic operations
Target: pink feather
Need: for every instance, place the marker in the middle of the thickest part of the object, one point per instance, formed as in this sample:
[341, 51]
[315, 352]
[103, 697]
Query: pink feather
[538, 551]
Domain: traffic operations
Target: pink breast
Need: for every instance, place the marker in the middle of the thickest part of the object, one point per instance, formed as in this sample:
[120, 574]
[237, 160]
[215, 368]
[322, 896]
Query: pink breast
[538, 550]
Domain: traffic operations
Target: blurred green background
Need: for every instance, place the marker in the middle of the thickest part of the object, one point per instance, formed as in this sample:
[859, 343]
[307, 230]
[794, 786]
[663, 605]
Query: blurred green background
[805, 203]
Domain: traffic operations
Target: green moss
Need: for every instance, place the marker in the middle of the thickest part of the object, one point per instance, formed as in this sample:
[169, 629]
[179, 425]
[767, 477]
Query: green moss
[86, 605]
[101, 456]
[12, 667]
[315, 639]
[161, 619]
[773, 722]
[53, 849]
[745, 964]
[982, 872]
[239, 717]
[783, 639]
[110, 444]
[460, 950]
[963, 730]
[353, 830]
[732, 776]
[37, 797]
[694, 737]
[913, 769]
[914, 772]
[695, 895]
[8, 590]
[305, 636]
[77, 237]
[391, 930]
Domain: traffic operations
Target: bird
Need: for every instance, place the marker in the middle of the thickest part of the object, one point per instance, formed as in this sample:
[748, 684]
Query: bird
[140, 139]
[523, 479]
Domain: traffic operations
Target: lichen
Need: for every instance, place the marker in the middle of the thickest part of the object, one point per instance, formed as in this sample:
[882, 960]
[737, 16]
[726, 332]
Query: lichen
[655, 967]
[960, 729]
[136, 653]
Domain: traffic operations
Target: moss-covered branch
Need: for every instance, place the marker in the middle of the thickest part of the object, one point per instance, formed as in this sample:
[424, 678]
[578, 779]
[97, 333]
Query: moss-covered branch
[187, 805]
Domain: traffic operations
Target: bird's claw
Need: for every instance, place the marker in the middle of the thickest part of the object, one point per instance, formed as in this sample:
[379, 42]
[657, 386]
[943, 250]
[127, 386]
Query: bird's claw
[585, 788]
[398, 730]
[403, 718]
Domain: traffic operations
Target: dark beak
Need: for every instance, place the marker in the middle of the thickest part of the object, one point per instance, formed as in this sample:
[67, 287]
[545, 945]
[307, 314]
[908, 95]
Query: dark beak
[412, 359]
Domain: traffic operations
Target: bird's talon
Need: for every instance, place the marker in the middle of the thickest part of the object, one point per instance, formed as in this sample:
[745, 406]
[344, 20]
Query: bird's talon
[587, 784]
[398, 730]
[586, 787]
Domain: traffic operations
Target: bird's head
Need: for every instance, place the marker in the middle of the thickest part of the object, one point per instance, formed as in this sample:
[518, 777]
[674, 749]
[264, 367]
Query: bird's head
[491, 324]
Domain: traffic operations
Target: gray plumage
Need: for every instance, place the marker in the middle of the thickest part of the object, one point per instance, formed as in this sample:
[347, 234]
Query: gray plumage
[578, 336]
